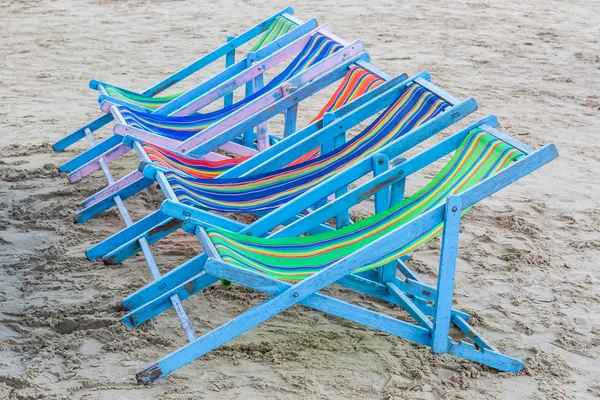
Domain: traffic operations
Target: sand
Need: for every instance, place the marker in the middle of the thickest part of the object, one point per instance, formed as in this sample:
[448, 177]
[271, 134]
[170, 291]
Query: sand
[528, 268]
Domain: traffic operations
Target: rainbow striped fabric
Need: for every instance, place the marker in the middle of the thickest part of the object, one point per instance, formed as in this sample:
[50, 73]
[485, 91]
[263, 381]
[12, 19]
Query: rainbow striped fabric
[479, 156]
[183, 164]
[279, 27]
[149, 103]
[413, 107]
[357, 82]
[316, 49]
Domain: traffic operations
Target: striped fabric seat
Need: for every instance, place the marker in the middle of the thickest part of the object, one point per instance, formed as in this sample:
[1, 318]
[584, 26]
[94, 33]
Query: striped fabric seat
[204, 169]
[357, 82]
[316, 49]
[149, 103]
[479, 156]
[413, 107]
[279, 27]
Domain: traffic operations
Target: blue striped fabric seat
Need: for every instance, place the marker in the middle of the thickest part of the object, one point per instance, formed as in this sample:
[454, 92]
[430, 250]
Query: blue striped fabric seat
[181, 128]
[412, 108]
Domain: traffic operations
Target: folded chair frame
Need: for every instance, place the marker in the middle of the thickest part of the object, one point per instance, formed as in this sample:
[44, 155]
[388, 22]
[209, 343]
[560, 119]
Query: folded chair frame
[226, 50]
[430, 307]
[250, 72]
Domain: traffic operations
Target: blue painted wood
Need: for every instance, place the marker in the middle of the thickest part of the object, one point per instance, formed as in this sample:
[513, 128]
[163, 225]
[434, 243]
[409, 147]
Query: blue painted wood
[448, 98]
[163, 302]
[493, 359]
[165, 283]
[165, 186]
[329, 145]
[365, 286]
[514, 172]
[262, 131]
[335, 273]
[80, 133]
[446, 275]
[106, 101]
[192, 100]
[249, 134]
[132, 247]
[373, 69]
[397, 188]
[507, 139]
[90, 212]
[227, 77]
[386, 273]
[471, 333]
[91, 154]
[291, 116]
[417, 290]
[125, 235]
[342, 218]
[390, 177]
[201, 217]
[207, 245]
[229, 61]
[101, 206]
[362, 167]
[410, 307]
[406, 271]
[380, 164]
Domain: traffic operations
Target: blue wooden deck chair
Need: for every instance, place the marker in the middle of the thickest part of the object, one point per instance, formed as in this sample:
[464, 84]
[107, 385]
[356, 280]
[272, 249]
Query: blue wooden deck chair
[293, 270]
[357, 86]
[423, 107]
[317, 52]
[416, 110]
[275, 32]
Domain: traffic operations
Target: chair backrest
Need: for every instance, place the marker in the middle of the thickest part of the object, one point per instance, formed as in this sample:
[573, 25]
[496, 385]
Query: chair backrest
[181, 128]
[479, 156]
[279, 27]
[357, 82]
[414, 106]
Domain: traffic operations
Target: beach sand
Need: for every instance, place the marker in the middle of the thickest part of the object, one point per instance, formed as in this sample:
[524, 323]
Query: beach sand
[528, 268]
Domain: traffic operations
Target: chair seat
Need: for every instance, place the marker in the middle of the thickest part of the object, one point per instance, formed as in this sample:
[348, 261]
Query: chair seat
[412, 108]
[479, 156]
[357, 82]
[140, 100]
[181, 128]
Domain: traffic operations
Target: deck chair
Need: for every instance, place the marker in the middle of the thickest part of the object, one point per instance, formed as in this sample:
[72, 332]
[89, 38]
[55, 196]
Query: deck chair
[317, 53]
[416, 110]
[360, 80]
[413, 102]
[274, 32]
[293, 270]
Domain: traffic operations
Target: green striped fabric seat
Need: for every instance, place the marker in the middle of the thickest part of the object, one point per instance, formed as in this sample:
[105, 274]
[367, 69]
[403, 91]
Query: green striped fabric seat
[147, 102]
[479, 156]
[279, 27]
